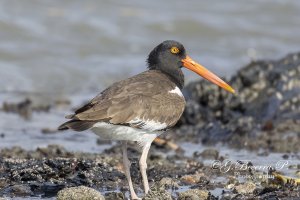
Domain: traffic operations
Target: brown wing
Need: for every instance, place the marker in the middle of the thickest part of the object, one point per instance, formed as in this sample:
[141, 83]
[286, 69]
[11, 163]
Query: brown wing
[144, 97]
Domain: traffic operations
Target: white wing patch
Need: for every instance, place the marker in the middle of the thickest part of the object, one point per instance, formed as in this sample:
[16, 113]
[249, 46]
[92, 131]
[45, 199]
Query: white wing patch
[150, 125]
[177, 91]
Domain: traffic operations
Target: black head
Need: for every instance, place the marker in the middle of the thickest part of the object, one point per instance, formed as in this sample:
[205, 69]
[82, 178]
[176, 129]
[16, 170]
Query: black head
[170, 56]
[167, 57]
[167, 54]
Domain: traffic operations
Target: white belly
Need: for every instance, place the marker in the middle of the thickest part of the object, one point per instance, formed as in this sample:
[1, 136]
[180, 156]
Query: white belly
[108, 131]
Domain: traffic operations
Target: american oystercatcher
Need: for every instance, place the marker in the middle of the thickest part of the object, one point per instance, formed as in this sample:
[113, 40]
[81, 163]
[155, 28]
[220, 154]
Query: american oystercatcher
[142, 107]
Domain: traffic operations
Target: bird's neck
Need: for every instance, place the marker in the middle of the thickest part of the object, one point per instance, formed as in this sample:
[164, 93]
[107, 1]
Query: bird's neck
[176, 76]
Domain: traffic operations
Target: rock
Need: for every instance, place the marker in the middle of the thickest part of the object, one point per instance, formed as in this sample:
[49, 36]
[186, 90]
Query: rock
[230, 186]
[298, 174]
[114, 196]
[168, 183]
[18, 190]
[46, 176]
[193, 179]
[208, 154]
[81, 192]
[245, 188]
[51, 189]
[49, 130]
[193, 194]
[268, 98]
[24, 108]
[158, 192]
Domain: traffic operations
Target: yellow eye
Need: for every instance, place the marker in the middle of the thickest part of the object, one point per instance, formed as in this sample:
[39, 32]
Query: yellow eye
[174, 50]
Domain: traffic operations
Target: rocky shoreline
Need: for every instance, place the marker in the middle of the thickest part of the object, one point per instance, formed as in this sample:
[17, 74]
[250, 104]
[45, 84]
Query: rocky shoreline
[46, 171]
[265, 110]
[264, 117]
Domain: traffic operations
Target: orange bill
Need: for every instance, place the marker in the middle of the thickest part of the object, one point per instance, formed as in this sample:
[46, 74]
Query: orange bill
[205, 73]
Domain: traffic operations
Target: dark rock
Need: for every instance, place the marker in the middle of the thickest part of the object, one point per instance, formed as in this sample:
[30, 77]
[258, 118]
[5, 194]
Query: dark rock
[47, 176]
[114, 196]
[285, 156]
[24, 108]
[48, 170]
[18, 190]
[268, 96]
[168, 183]
[158, 192]
[51, 189]
[208, 154]
[49, 130]
[102, 142]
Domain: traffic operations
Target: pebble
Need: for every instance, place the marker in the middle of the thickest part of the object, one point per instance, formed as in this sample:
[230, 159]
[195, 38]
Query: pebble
[245, 188]
[210, 154]
[168, 183]
[115, 196]
[194, 194]
[191, 179]
[298, 174]
[81, 192]
[158, 192]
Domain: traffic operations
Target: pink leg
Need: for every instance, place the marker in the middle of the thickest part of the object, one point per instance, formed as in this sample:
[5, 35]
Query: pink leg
[143, 166]
[127, 164]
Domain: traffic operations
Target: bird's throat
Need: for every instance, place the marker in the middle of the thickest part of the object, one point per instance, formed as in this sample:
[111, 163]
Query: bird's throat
[176, 76]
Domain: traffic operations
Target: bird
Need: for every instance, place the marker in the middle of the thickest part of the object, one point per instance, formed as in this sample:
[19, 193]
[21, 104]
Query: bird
[142, 107]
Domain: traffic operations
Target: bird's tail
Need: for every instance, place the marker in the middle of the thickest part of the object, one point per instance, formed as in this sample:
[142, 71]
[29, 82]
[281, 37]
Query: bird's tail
[76, 125]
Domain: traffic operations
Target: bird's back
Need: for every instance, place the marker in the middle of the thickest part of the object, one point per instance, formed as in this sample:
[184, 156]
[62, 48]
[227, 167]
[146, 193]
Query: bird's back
[149, 100]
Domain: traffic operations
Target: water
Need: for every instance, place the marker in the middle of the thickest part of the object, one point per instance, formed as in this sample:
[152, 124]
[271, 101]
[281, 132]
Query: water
[258, 159]
[53, 50]
[80, 47]
[63, 49]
